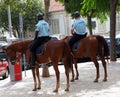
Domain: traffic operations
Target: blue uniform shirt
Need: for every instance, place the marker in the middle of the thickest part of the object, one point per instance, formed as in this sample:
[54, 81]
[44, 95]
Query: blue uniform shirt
[43, 28]
[79, 26]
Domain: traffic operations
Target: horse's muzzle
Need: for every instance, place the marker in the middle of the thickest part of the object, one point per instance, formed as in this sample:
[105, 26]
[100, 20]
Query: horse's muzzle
[13, 62]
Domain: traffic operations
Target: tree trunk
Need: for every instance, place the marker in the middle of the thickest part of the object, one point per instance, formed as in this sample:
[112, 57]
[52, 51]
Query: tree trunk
[47, 4]
[113, 5]
[89, 24]
[45, 71]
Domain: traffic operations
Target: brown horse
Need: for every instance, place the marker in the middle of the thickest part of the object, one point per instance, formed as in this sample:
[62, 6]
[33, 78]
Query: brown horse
[92, 46]
[55, 50]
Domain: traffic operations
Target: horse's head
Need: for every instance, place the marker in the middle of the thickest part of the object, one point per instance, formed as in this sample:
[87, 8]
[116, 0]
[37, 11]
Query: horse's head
[18, 46]
[11, 54]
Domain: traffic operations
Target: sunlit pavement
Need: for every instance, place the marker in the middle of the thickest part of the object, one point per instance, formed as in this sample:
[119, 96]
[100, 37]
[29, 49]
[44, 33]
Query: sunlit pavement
[84, 87]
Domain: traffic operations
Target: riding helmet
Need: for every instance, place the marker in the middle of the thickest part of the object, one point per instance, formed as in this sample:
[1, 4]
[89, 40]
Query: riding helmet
[76, 14]
[40, 16]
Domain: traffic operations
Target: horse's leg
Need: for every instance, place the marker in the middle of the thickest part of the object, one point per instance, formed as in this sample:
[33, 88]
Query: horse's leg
[104, 66]
[34, 78]
[97, 68]
[76, 68]
[38, 76]
[72, 80]
[55, 65]
[73, 74]
[67, 76]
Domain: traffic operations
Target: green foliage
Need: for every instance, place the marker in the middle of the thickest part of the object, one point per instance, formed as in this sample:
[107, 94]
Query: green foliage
[29, 9]
[3, 15]
[99, 9]
[73, 5]
[94, 8]
[118, 7]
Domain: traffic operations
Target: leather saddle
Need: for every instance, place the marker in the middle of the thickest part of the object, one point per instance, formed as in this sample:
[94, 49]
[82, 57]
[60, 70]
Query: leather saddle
[41, 48]
[76, 45]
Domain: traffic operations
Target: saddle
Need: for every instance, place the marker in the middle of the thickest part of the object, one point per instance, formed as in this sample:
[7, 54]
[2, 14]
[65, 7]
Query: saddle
[41, 48]
[76, 45]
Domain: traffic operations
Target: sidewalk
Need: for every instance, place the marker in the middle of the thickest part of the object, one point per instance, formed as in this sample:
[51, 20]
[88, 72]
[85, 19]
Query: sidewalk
[84, 87]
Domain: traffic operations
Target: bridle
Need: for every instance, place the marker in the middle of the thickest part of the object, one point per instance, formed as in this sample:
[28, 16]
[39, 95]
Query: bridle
[11, 59]
[13, 62]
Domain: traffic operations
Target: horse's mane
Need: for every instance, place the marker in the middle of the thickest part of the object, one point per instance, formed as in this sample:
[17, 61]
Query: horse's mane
[20, 46]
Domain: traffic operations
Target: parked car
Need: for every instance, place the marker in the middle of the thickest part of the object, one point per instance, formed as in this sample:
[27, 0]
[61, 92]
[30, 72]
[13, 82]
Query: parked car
[4, 65]
[2, 54]
[4, 68]
[117, 44]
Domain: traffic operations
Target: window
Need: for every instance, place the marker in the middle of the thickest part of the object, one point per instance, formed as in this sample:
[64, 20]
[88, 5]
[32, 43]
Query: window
[54, 26]
[101, 28]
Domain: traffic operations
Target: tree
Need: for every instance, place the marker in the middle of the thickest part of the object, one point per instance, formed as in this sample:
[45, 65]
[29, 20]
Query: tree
[45, 72]
[113, 7]
[93, 9]
[28, 8]
[47, 5]
[107, 8]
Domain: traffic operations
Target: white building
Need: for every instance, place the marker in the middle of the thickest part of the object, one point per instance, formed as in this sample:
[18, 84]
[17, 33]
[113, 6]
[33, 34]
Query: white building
[60, 21]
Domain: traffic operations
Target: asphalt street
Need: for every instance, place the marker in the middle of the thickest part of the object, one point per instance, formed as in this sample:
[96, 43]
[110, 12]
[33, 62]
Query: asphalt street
[84, 87]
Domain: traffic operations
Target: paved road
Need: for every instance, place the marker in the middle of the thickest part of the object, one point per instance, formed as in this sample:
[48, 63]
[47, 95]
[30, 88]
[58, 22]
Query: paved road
[84, 87]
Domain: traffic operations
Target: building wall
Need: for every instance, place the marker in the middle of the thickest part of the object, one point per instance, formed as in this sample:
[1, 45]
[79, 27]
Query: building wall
[104, 29]
[59, 23]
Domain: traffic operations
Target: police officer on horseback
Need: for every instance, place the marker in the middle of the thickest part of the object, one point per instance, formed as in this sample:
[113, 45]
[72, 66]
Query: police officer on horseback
[41, 36]
[78, 29]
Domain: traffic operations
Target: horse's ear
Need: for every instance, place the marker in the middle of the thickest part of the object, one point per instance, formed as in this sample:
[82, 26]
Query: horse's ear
[4, 48]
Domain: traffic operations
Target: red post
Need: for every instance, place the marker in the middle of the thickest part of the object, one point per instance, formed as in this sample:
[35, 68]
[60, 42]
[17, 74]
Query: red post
[15, 70]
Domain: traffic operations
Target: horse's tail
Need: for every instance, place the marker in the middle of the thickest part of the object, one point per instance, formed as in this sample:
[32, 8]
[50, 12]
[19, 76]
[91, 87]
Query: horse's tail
[67, 54]
[104, 46]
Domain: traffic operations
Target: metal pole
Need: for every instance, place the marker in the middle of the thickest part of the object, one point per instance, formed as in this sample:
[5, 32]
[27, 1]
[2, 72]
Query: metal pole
[9, 21]
[21, 25]
[24, 60]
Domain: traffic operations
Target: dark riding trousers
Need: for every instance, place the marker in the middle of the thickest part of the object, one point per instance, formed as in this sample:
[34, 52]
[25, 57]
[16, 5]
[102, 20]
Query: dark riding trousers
[39, 41]
[75, 38]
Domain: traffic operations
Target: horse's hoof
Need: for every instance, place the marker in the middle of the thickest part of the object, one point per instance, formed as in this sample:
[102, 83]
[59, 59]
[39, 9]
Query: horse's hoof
[55, 91]
[66, 89]
[72, 80]
[38, 88]
[95, 81]
[104, 80]
[34, 89]
[76, 78]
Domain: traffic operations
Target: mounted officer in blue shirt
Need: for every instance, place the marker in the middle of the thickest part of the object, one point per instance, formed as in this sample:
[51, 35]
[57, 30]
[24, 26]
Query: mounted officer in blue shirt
[41, 36]
[78, 29]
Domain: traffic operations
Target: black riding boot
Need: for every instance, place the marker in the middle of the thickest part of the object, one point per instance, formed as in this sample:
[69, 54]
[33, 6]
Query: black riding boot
[33, 59]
